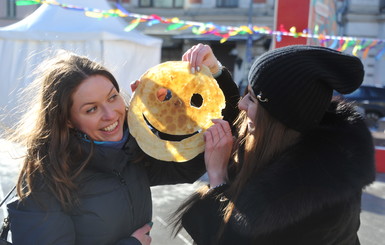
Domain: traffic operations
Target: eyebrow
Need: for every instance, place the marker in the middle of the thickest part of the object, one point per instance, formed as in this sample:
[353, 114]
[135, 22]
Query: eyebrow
[90, 103]
[112, 88]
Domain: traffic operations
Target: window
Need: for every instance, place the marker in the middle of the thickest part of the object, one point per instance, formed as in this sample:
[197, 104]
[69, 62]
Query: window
[120, 1]
[227, 3]
[161, 3]
[11, 8]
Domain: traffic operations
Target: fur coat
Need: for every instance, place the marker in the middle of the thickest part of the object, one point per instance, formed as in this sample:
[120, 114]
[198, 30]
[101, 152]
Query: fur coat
[310, 194]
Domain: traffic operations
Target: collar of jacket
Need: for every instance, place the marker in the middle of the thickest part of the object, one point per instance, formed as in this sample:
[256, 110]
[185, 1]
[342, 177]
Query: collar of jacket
[108, 159]
[328, 165]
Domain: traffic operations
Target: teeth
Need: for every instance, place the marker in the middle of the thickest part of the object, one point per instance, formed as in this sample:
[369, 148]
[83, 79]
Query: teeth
[111, 127]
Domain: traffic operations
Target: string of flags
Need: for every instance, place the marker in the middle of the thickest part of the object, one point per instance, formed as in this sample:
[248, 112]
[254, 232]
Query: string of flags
[359, 46]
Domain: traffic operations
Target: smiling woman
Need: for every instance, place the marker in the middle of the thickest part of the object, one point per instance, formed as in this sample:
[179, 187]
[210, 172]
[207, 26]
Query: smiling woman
[84, 178]
[98, 110]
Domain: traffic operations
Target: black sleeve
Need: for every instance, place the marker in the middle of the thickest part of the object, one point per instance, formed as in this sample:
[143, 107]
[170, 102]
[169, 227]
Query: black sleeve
[30, 224]
[164, 173]
[203, 220]
[231, 92]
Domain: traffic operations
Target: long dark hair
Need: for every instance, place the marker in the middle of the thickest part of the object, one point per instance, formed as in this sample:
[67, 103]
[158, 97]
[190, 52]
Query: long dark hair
[252, 153]
[45, 132]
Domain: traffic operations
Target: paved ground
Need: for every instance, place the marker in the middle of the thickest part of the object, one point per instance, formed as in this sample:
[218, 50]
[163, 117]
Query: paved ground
[372, 231]
[167, 198]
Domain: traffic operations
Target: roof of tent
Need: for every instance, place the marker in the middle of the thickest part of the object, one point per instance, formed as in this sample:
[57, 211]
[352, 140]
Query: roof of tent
[52, 22]
[25, 44]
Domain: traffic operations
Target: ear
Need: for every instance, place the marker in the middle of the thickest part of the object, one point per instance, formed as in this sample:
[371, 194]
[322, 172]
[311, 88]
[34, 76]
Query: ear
[69, 124]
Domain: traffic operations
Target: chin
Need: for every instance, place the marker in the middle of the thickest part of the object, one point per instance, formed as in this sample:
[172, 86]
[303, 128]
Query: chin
[116, 138]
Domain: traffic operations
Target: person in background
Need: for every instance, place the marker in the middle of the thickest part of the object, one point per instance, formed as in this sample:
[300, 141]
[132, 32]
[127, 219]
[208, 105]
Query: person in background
[295, 172]
[84, 179]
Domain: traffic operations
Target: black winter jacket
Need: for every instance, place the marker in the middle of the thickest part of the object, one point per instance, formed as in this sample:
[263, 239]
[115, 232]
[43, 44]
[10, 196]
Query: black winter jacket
[114, 193]
[115, 200]
[311, 194]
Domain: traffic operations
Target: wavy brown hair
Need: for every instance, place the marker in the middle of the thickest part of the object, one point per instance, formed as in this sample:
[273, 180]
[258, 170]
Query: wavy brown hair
[54, 158]
[254, 151]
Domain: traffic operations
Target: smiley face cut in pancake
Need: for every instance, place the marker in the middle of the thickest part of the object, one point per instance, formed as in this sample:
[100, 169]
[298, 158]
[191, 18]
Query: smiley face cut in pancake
[172, 108]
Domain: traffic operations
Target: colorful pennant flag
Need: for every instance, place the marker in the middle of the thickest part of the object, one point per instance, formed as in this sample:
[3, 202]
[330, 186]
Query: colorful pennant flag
[340, 43]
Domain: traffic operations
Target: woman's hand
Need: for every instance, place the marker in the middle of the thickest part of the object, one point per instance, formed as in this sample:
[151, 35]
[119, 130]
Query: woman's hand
[143, 234]
[219, 143]
[199, 55]
[134, 85]
[161, 94]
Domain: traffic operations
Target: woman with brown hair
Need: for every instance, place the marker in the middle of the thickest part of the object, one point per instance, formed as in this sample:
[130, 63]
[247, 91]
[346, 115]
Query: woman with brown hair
[295, 173]
[84, 178]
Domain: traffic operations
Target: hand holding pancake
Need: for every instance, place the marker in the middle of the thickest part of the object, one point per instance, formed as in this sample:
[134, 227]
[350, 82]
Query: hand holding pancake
[199, 55]
[219, 143]
[134, 85]
[164, 116]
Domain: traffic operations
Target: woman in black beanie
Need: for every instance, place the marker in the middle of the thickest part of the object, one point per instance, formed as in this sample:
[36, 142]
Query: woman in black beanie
[296, 170]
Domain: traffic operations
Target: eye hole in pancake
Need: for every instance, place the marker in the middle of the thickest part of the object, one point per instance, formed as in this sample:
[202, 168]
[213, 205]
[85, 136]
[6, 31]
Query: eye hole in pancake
[163, 94]
[196, 100]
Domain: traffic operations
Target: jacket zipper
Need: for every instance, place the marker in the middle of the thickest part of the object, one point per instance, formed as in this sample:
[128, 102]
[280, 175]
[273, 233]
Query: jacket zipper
[123, 182]
[121, 179]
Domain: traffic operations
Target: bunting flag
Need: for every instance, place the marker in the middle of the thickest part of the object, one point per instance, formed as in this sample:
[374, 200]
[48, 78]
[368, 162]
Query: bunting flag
[359, 46]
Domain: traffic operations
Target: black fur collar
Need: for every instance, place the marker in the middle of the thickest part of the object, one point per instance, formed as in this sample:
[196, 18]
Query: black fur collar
[330, 163]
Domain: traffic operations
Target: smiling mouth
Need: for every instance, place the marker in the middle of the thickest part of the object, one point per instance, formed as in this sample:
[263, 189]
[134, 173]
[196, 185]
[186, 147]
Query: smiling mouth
[168, 137]
[111, 127]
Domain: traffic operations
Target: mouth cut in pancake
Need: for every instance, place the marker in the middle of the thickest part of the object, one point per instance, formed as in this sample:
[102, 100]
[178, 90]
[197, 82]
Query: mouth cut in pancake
[178, 106]
[165, 136]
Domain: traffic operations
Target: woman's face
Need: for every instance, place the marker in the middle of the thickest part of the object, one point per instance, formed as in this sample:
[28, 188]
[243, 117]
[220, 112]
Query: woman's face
[98, 110]
[249, 104]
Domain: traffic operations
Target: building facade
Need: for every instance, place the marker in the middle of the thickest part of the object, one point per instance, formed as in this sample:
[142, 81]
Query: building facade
[356, 18]
[10, 13]
[366, 18]
[235, 53]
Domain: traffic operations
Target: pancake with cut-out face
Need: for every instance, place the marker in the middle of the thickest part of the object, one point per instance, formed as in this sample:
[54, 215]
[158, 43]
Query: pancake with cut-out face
[172, 108]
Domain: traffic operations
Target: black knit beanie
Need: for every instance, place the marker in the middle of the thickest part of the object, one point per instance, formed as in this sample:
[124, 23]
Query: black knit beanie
[295, 83]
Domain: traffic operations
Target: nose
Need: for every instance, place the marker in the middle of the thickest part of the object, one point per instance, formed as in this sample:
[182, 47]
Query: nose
[108, 113]
[242, 105]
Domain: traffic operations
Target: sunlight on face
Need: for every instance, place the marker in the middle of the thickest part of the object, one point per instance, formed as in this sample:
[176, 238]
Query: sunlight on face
[98, 109]
[249, 104]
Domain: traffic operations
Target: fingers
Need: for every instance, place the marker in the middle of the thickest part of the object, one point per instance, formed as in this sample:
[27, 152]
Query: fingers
[143, 230]
[198, 55]
[146, 240]
[218, 148]
[161, 94]
[142, 234]
[208, 137]
[192, 56]
[211, 137]
[134, 85]
[219, 133]
[146, 229]
[225, 126]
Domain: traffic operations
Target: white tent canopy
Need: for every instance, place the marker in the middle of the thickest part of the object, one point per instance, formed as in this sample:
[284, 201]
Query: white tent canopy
[25, 44]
